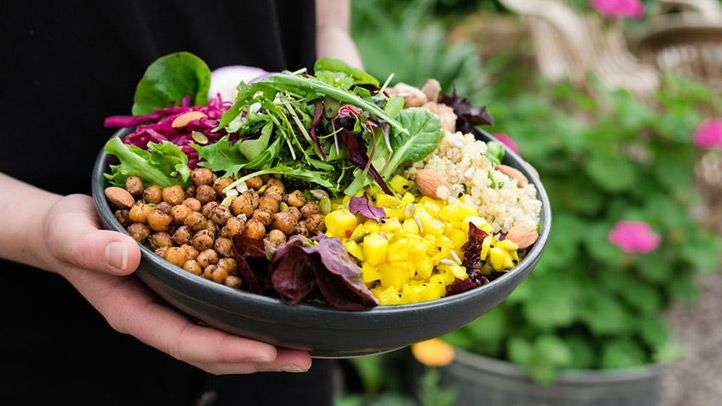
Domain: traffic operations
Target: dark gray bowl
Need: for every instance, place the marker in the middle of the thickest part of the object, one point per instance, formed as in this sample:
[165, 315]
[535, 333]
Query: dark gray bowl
[322, 330]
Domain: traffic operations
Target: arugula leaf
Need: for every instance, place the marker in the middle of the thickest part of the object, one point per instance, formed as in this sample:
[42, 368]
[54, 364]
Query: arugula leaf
[424, 133]
[169, 79]
[306, 175]
[335, 65]
[251, 149]
[151, 166]
[221, 156]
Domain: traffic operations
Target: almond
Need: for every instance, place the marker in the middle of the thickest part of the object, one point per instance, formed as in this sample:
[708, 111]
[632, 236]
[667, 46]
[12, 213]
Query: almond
[119, 197]
[430, 183]
[514, 174]
[431, 89]
[413, 97]
[523, 235]
[183, 120]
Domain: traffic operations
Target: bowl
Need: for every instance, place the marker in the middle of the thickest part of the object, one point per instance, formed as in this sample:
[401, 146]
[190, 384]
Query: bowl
[320, 329]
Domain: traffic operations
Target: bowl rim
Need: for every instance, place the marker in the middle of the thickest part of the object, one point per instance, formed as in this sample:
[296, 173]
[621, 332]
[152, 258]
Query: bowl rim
[224, 293]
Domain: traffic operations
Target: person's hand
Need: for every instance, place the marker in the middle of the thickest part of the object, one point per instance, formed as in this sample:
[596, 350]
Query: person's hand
[97, 263]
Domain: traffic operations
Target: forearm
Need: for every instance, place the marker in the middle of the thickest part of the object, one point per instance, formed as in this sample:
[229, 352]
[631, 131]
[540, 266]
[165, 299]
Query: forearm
[333, 39]
[22, 213]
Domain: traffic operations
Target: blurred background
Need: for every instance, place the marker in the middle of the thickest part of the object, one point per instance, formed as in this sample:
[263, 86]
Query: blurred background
[617, 104]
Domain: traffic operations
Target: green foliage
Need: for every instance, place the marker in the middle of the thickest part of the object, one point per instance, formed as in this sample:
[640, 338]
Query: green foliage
[588, 304]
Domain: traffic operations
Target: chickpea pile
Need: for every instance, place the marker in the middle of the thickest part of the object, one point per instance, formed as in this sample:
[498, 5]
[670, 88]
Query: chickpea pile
[193, 228]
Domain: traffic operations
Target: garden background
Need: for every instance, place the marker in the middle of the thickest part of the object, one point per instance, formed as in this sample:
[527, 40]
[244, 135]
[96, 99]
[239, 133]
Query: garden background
[628, 144]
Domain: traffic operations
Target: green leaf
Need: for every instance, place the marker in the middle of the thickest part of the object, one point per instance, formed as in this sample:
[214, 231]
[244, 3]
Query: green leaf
[583, 353]
[623, 353]
[612, 172]
[169, 79]
[251, 149]
[554, 350]
[551, 302]
[495, 152]
[653, 331]
[654, 266]
[604, 314]
[336, 65]
[597, 242]
[394, 106]
[371, 371]
[154, 167]
[520, 351]
[221, 156]
[424, 133]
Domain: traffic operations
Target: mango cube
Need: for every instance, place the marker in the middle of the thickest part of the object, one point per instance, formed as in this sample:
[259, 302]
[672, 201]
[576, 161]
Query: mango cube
[384, 200]
[394, 274]
[399, 184]
[354, 249]
[340, 223]
[370, 273]
[375, 248]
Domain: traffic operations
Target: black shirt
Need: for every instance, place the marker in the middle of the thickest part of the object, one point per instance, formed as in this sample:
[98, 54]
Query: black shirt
[66, 66]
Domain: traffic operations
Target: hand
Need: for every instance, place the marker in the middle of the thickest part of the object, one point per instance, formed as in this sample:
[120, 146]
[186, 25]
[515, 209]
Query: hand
[97, 263]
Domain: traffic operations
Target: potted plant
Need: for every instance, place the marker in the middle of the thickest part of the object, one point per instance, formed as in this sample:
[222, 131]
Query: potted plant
[587, 327]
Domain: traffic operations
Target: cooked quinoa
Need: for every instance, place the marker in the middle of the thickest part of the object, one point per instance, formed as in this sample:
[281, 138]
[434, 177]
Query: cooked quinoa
[462, 160]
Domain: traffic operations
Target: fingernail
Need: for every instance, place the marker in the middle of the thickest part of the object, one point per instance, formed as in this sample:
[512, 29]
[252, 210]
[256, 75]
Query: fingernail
[117, 255]
[292, 368]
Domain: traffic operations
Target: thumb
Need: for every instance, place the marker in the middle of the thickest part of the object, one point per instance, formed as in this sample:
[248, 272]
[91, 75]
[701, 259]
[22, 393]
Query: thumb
[75, 237]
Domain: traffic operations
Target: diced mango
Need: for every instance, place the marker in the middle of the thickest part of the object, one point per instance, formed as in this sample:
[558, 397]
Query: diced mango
[340, 223]
[407, 198]
[391, 226]
[507, 245]
[398, 250]
[399, 184]
[456, 270]
[409, 227]
[498, 258]
[384, 200]
[354, 249]
[389, 296]
[394, 274]
[432, 226]
[370, 273]
[371, 226]
[424, 267]
[375, 248]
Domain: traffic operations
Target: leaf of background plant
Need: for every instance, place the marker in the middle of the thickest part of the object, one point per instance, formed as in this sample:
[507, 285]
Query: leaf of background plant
[611, 172]
[604, 314]
[551, 302]
[520, 351]
[654, 266]
[583, 353]
[643, 297]
[553, 349]
[684, 286]
[597, 242]
[623, 353]
[371, 370]
[653, 330]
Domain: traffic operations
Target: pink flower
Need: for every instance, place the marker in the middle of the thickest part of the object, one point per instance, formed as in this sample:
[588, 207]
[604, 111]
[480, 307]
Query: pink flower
[619, 8]
[634, 236]
[709, 134]
[508, 141]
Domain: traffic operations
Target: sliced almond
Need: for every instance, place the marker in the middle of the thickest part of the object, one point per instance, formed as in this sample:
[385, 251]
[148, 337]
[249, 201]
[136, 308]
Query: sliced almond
[514, 174]
[183, 120]
[119, 197]
[523, 235]
[430, 183]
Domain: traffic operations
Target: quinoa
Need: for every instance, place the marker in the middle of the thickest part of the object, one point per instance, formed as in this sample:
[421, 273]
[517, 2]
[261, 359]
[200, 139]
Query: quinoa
[462, 160]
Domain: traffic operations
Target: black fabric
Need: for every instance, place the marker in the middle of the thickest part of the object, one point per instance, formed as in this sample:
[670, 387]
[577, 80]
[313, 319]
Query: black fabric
[64, 67]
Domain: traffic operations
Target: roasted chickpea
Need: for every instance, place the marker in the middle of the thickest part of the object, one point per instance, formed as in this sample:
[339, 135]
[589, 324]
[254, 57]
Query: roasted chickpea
[220, 215]
[152, 194]
[179, 213]
[134, 185]
[296, 213]
[302, 229]
[224, 247]
[263, 216]
[176, 256]
[310, 209]
[158, 220]
[122, 216]
[285, 222]
[233, 282]
[193, 204]
[165, 207]
[191, 252]
[192, 266]
[274, 193]
[242, 205]
[315, 223]
[182, 235]
[139, 212]
[207, 208]
[220, 184]
[254, 183]
[202, 240]
[201, 176]
[276, 237]
[160, 239]
[205, 194]
[161, 251]
[138, 231]
[255, 229]
[229, 264]
[196, 221]
[212, 227]
[219, 275]
[207, 257]
[190, 191]
[269, 204]
[233, 226]
[296, 198]
[173, 195]
[276, 183]
[208, 271]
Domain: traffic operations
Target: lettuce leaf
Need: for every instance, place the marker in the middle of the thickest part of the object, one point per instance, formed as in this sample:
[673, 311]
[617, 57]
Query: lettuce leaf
[424, 133]
[169, 79]
[162, 164]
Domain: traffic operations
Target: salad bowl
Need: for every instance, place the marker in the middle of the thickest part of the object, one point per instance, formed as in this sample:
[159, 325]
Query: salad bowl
[322, 330]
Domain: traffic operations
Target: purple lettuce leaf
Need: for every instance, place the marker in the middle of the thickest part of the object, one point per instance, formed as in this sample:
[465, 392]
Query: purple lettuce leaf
[468, 115]
[472, 262]
[252, 263]
[361, 205]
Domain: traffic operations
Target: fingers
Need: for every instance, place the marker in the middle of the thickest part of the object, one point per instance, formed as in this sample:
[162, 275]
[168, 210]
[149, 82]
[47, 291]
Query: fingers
[131, 309]
[75, 238]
